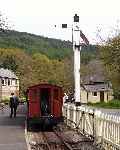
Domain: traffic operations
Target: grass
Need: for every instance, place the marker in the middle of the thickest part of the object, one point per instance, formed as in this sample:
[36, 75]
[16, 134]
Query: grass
[114, 104]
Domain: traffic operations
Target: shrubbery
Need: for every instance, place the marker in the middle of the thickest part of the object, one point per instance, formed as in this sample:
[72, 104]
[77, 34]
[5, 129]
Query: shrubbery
[110, 104]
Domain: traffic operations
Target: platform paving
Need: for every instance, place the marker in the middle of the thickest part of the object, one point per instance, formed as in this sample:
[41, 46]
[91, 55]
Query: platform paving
[12, 130]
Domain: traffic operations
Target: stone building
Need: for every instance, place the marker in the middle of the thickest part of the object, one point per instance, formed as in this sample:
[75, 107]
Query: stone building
[96, 92]
[9, 83]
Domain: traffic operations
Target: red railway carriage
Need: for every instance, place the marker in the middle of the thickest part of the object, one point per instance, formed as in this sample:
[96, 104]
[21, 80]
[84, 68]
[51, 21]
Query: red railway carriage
[44, 104]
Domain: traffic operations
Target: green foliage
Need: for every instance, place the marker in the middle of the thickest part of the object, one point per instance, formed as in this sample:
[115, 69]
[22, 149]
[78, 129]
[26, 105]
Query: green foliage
[20, 63]
[52, 48]
[89, 53]
[35, 69]
[31, 43]
[110, 55]
[117, 93]
[49, 71]
[115, 104]
[36, 59]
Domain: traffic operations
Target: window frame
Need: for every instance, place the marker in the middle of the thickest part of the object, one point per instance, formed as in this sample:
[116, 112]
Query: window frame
[94, 93]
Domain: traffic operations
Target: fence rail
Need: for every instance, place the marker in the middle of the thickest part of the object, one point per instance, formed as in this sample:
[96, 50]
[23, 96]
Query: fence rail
[102, 127]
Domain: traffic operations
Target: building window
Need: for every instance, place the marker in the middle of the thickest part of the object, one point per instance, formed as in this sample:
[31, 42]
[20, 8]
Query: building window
[3, 83]
[94, 93]
[8, 82]
[11, 82]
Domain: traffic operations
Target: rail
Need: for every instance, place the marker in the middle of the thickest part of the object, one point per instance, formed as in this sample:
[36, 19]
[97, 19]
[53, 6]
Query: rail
[67, 145]
[46, 141]
[74, 145]
[49, 146]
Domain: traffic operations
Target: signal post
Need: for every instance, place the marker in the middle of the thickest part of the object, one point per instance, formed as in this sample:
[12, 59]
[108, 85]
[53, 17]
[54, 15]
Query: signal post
[78, 40]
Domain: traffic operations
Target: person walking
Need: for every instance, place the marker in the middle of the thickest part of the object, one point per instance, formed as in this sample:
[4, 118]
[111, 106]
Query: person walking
[14, 102]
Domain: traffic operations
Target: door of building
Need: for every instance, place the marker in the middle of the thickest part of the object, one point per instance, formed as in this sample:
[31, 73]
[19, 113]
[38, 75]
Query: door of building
[102, 96]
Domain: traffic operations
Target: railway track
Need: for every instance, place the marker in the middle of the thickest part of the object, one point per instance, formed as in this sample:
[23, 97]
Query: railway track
[67, 146]
[60, 140]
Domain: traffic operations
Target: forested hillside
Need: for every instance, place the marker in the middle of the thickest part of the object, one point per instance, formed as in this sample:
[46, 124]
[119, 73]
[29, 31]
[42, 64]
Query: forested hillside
[37, 59]
[52, 48]
[31, 43]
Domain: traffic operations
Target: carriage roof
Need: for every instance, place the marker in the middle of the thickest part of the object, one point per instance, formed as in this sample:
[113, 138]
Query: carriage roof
[44, 85]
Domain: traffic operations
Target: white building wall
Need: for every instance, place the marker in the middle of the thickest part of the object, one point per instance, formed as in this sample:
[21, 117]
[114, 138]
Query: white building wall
[108, 95]
[8, 89]
[92, 98]
[83, 96]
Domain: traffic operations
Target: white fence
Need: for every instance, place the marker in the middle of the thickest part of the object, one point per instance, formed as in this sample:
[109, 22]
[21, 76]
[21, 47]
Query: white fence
[102, 127]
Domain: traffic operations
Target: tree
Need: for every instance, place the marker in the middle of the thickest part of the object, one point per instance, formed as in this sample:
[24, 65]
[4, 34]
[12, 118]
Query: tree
[3, 23]
[110, 54]
[69, 74]
[51, 71]
[41, 68]
[20, 63]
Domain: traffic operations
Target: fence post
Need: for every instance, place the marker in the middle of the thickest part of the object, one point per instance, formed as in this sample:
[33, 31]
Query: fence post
[94, 125]
[83, 122]
[74, 116]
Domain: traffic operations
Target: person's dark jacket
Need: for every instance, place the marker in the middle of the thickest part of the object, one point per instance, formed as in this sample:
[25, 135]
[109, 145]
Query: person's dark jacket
[14, 102]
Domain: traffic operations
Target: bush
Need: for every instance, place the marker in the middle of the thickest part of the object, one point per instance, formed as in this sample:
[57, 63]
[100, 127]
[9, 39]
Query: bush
[5, 101]
[110, 104]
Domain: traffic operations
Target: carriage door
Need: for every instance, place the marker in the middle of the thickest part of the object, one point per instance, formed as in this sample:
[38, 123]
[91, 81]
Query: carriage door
[45, 101]
[101, 96]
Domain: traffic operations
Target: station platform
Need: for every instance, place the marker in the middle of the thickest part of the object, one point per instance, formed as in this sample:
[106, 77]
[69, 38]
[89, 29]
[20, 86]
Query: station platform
[12, 130]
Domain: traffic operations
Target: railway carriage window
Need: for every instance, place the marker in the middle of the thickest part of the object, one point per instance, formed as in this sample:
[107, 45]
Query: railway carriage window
[56, 93]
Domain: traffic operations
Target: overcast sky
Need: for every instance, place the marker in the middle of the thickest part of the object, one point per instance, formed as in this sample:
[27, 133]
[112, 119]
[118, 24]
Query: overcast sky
[40, 16]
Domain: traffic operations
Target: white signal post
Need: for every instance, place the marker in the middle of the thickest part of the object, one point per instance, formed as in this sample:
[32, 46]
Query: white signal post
[76, 49]
[78, 39]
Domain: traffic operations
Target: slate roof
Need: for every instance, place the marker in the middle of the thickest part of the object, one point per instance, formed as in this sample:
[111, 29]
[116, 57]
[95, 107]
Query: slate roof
[7, 73]
[93, 78]
[96, 87]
